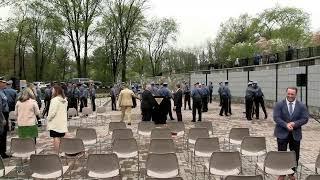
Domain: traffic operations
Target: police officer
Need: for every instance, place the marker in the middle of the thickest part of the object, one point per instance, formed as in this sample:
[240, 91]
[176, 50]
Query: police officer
[164, 91]
[47, 98]
[113, 94]
[226, 97]
[4, 113]
[250, 93]
[196, 95]
[187, 93]
[259, 99]
[154, 89]
[205, 97]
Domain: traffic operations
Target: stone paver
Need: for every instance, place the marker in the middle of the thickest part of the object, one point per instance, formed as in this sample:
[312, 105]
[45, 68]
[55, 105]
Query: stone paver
[264, 127]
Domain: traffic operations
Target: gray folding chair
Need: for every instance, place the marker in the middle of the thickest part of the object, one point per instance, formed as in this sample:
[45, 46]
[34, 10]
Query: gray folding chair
[162, 146]
[88, 114]
[236, 135]
[278, 163]
[71, 148]
[162, 165]
[73, 114]
[144, 129]
[47, 166]
[22, 148]
[127, 149]
[103, 166]
[116, 125]
[223, 164]
[101, 114]
[256, 177]
[253, 146]
[313, 177]
[4, 170]
[311, 166]
[203, 148]
[193, 135]
[161, 133]
[178, 130]
[204, 124]
[175, 178]
[121, 134]
[89, 137]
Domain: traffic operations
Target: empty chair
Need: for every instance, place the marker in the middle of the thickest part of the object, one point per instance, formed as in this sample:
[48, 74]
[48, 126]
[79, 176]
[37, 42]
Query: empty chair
[193, 135]
[162, 146]
[103, 166]
[126, 148]
[233, 177]
[116, 125]
[162, 165]
[88, 113]
[161, 133]
[88, 136]
[101, 113]
[121, 134]
[175, 178]
[178, 129]
[236, 135]
[73, 114]
[72, 148]
[203, 148]
[4, 170]
[313, 177]
[224, 164]
[312, 166]
[204, 124]
[278, 163]
[253, 146]
[145, 128]
[47, 166]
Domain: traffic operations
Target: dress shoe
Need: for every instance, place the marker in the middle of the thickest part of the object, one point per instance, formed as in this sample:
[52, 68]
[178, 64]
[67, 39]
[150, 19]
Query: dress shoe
[193, 121]
[281, 177]
[221, 114]
[129, 123]
[172, 119]
[291, 177]
[266, 116]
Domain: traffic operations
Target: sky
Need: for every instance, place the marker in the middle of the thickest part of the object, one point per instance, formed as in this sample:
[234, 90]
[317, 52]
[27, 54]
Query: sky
[199, 20]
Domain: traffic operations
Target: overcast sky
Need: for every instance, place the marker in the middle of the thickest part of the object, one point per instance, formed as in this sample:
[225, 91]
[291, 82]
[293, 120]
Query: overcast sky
[199, 20]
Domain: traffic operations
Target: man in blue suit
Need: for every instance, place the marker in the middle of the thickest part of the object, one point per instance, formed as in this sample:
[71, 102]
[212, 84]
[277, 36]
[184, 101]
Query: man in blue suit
[290, 115]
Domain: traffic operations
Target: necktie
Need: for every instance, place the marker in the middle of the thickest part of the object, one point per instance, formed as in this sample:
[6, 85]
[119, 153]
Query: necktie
[290, 108]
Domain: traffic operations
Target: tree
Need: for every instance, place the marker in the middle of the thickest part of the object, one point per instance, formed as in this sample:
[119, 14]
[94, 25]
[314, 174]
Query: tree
[159, 33]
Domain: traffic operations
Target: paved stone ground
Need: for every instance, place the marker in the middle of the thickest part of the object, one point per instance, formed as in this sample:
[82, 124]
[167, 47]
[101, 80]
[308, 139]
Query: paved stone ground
[264, 127]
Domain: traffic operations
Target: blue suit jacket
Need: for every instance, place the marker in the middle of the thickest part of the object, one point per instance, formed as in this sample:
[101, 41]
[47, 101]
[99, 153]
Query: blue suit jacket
[281, 116]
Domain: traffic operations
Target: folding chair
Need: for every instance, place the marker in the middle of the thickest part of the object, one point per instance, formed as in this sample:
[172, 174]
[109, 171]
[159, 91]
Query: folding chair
[311, 166]
[47, 166]
[236, 135]
[161, 133]
[232, 177]
[116, 125]
[4, 170]
[89, 137]
[103, 166]
[162, 165]
[162, 146]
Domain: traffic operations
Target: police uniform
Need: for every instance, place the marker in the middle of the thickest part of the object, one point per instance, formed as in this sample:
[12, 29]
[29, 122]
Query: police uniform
[205, 97]
[187, 96]
[226, 98]
[165, 92]
[196, 95]
[250, 93]
[259, 100]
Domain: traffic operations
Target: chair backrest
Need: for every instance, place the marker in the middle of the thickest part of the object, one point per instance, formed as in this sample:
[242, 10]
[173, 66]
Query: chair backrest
[253, 144]
[72, 112]
[22, 145]
[103, 163]
[207, 145]
[280, 160]
[121, 134]
[145, 126]
[125, 146]
[235, 177]
[176, 127]
[239, 133]
[87, 110]
[225, 160]
[12, 115]
[195, 133]
[116, 125]
[317, 165]
[313, 177]
[86, 134]
[161, 133]
[71, 145]
[204, 124]
[45, 164]
[162, 146]
[101, 110]
[162, 163]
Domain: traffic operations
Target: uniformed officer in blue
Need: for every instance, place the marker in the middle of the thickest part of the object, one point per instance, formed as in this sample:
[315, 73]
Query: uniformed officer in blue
[226, 100]
[166, 93]
[196, 94]
[259, 99]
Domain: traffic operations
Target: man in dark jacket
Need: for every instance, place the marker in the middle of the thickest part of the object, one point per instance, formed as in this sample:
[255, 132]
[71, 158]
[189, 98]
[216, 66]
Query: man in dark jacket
[178, 102]
[147, 103]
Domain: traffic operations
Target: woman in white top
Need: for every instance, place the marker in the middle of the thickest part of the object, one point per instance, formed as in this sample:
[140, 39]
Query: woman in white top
[57, 116]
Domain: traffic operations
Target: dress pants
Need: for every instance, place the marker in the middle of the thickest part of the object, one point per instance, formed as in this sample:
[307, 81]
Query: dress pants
[3, 136]
[293, 146]
[126, 110]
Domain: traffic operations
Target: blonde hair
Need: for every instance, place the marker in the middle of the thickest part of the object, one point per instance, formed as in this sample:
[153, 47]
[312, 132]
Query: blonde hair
[26, 94]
